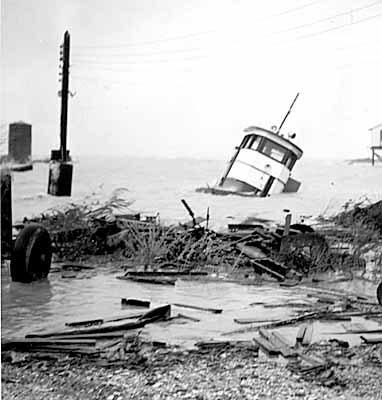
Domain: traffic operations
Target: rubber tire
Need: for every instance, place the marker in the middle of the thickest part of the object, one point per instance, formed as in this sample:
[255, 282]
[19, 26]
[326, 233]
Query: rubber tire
[32, 254]
[379, 293]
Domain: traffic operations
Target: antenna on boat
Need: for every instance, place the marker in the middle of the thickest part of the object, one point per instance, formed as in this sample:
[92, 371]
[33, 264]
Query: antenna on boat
[286, 115]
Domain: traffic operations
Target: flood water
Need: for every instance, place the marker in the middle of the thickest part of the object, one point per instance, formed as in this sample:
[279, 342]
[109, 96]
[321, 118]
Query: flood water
[158, 185]
[48, 305]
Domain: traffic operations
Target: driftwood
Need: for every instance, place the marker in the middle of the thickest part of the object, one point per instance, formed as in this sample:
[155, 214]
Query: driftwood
[278, 342]
[244, 321]
[266, 345]
[269, 271]
[188, 317]
[102, 329]
[371, 340]
[300, 333]
[212, 310]
[150, 279]
[308, 334]
[135, 302]
[156, 314]
[22, 344]
[290, 321]
[101, 321]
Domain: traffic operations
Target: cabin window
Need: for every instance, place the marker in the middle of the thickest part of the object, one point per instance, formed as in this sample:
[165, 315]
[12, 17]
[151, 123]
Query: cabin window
[245, 141]
[272, 150]
[254, 143]
[291, 161]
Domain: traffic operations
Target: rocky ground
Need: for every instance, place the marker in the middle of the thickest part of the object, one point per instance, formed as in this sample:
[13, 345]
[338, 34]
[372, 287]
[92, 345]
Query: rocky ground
[178, 374]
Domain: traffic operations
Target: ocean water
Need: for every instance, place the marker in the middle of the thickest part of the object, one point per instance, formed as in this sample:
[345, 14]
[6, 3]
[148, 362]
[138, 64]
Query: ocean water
[158, 185]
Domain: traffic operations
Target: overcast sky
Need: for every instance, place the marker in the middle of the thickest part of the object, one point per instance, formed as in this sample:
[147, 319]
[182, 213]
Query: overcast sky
[185, 77]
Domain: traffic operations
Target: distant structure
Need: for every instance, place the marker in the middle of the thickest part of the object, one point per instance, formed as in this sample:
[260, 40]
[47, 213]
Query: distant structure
[376, 142]
[20, 142]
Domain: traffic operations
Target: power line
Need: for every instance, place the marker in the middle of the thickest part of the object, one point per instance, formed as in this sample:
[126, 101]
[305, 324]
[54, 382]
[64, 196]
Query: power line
[329, 18]
[194, 34]
[340, 26]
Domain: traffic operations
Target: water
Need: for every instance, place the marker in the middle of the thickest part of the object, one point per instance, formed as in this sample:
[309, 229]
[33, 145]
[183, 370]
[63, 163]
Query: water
[48, 305]
[158, 185]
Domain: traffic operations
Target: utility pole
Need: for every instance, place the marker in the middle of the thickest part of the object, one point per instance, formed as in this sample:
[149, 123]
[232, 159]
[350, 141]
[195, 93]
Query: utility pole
[64, 95]
[60, 168]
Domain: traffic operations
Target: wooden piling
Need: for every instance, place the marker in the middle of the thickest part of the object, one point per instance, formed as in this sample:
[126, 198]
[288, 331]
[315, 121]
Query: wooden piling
[60, 178]
[6, 213]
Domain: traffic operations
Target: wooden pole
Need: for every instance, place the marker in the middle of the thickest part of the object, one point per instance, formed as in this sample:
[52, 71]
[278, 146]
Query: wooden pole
[60, 168]
[6, 213]
[64, 96]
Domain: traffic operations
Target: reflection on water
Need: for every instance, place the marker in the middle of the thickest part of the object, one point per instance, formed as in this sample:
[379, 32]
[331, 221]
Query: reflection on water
[47, 305]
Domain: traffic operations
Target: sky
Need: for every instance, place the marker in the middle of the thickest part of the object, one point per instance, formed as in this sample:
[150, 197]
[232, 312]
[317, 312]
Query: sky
[183, 78]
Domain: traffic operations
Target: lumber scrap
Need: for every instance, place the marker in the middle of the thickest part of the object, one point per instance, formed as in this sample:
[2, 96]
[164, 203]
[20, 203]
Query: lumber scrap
[156, 314]
[371, 340]
[20, 344]
[212, 310]
[283, 322]
[135, 303]
[269, 271]
[102, 329]
[97, 336]
[209, 344]
[277, 342]
[89, 322]
[188, 317]
[244, 321]
[250, 251]
[301, 333]
[157, 280]
[308, 334]
[266, 345]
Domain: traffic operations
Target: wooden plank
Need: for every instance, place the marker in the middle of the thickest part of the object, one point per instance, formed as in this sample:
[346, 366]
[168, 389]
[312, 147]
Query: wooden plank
[308, 334]
[300, 333]
[102, 329]
[28, 343]
[244, 321]
[274, 274]
[212, 344]
[212, 310]
[85, 323]
[277, 343]
[188, 317]
[156, 314]
[149, 279]
[371, 340]
[266, 345]
[135, 303]
[100, 336]
[288, 220]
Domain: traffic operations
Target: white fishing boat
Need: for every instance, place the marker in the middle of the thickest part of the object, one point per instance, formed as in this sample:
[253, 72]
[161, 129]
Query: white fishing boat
[262, 164]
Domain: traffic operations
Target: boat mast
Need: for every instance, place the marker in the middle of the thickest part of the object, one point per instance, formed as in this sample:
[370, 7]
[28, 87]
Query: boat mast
[286, 116]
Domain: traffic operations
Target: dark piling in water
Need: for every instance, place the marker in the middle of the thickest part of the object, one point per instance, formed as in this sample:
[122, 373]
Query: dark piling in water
[6, 213]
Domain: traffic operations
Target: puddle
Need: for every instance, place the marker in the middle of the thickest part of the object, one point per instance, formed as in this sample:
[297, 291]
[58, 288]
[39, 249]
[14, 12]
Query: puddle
[48, 305]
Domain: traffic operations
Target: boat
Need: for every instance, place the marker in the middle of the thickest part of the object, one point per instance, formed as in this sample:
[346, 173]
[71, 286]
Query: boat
[262, 164]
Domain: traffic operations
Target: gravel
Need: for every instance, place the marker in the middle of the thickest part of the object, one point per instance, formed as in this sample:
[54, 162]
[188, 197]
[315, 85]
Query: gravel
[179, 374]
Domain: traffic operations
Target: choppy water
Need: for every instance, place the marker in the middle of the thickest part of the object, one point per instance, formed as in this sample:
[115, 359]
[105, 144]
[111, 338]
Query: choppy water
[158, 185]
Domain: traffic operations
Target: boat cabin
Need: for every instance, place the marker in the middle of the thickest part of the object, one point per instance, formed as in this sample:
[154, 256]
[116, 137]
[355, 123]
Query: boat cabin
[262, 164]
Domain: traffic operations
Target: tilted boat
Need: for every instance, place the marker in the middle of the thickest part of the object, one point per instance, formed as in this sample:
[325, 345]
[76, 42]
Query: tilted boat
[262, 164]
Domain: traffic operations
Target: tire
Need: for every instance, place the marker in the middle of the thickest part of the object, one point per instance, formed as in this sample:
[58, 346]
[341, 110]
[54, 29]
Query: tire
[32, 254]
[379, 293]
